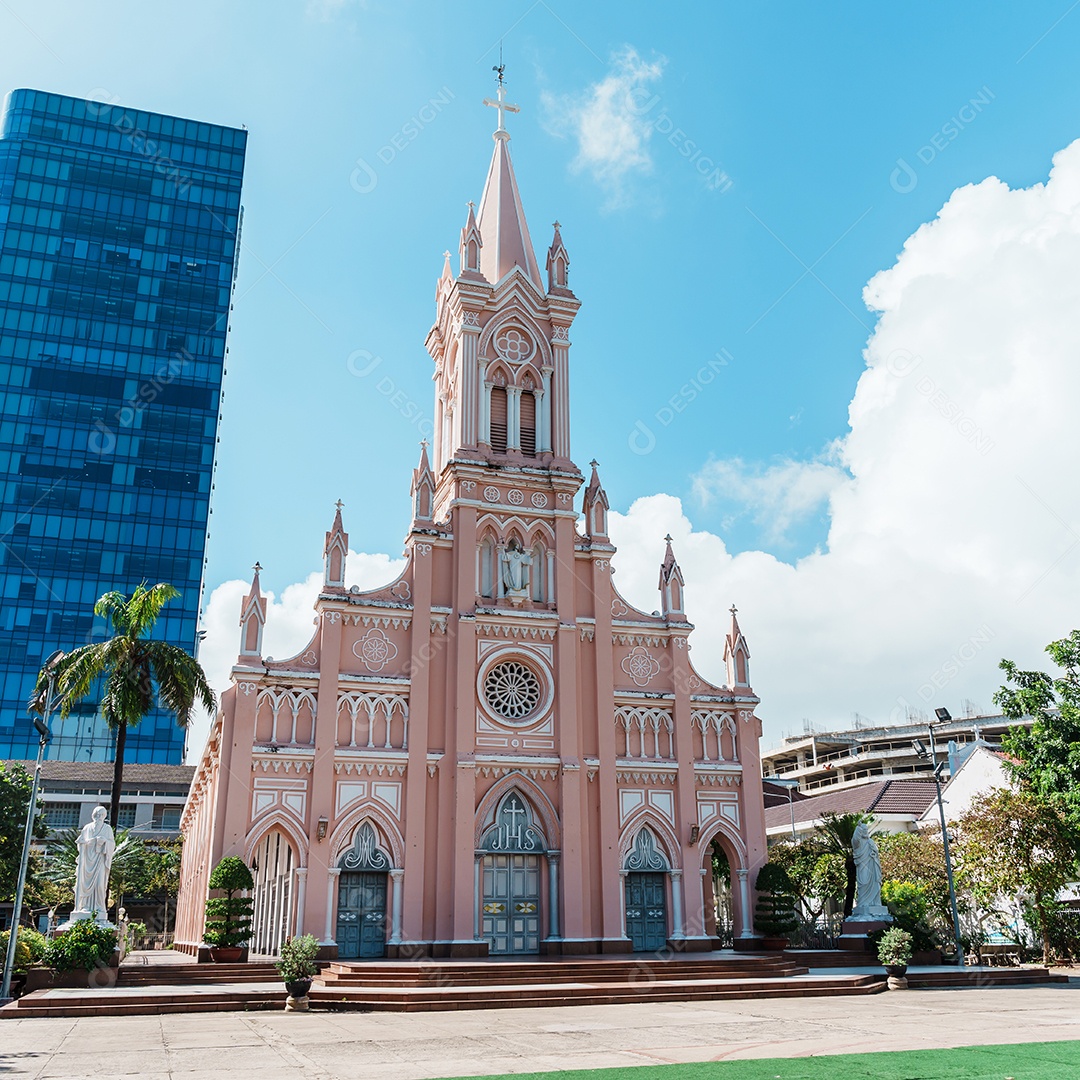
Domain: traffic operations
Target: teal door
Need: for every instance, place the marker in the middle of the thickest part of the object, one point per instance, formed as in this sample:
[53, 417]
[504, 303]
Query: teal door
[361, 915]
[646, 911]
[512, 903]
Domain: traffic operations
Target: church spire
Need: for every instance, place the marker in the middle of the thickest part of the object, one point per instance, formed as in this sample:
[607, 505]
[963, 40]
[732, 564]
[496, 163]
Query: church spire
[595, 506]
[558, 265]
[252, 619]
[423, 490]
[737, 654]
[504, 233]
[335, 552]
[671, 585]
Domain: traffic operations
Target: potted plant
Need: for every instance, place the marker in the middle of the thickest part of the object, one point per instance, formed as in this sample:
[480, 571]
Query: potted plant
[774, 916]
[228, 917]
[894, 951]
[297, 967]
[83, 955]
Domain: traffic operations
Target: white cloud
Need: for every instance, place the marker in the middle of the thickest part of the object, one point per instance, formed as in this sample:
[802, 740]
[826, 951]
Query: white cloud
[610, 122]
[777, 496]
[954, 510]
[956, 540]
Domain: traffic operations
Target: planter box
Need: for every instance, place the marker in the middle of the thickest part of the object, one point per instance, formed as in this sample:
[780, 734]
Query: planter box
[43, 978]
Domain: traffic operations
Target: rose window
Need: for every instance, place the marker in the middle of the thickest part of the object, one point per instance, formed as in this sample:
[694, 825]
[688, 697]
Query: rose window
[512, 690]
[513, 345]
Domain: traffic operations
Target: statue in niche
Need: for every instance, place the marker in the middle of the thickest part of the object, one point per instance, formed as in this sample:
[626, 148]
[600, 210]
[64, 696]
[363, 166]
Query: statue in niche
[868, 905]
[516, 565]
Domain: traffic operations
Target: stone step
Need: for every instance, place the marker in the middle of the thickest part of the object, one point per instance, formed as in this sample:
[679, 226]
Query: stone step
[360, 974]
[508, 996]
[981, 977]
[180, 974]
[119, 1002]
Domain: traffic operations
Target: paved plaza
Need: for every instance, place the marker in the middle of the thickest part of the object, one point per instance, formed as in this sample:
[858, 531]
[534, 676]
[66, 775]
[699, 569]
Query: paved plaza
[380, 1046]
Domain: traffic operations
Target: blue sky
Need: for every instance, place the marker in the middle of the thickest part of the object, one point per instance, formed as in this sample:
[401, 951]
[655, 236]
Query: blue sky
[356, 182]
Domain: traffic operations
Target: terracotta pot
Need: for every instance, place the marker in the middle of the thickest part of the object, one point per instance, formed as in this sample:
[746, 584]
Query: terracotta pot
[226, 954]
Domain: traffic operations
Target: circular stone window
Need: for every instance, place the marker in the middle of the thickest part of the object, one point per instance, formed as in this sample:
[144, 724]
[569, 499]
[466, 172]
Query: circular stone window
[512, 690]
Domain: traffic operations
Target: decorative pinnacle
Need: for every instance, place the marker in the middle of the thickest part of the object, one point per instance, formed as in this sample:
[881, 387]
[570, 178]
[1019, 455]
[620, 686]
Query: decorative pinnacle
[734, 609]
[339, 504]
[668, 538]
[257, 567]
[594, 463]
[424, 443]
[556, 225]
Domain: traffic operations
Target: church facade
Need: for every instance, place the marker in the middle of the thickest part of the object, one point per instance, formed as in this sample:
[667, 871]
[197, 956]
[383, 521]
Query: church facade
[496, 753]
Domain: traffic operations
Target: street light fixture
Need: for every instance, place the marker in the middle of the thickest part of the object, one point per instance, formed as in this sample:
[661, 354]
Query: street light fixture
[943, 717]
[791, 785]
[41, 725]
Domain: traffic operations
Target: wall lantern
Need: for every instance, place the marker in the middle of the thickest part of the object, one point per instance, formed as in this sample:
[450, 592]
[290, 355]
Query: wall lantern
[320, 831]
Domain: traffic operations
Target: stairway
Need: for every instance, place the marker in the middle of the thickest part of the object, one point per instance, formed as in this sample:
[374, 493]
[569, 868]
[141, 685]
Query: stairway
[439, 985]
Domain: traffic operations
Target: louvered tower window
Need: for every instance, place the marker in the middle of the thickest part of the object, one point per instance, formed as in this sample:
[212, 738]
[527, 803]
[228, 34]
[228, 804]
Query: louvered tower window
[528, 423]
[498, 419]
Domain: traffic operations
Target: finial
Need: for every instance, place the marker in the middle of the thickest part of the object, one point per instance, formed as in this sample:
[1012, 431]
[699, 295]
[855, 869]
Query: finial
[500, 101]
[339, 504]
[594, 463]
[668, 538]
[734, 609]
[555, 225]
[424, 443]
[446, 254]
[257, 568]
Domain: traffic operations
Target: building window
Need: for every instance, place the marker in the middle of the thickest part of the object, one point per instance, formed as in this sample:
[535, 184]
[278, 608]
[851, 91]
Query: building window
[166, 818]
[126, 819]
[528, 423]
[498, 419]
[62, 815]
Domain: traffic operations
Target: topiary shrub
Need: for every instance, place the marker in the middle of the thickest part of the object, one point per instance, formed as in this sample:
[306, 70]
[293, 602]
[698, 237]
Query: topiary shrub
[85, 945]
[775, 915]
[228, 917]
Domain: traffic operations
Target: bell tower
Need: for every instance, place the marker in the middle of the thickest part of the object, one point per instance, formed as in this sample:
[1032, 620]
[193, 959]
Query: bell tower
[501, 339]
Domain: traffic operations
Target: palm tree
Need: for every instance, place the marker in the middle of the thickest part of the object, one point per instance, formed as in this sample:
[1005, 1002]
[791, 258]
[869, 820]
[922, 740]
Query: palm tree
[138, 673]
[837, 831]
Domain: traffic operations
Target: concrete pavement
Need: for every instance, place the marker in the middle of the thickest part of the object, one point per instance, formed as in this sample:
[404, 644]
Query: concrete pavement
[410, 1046]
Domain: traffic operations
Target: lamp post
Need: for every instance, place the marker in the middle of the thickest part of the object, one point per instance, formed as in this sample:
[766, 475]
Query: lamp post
[944, 717]
[41, 725]
[790, 785]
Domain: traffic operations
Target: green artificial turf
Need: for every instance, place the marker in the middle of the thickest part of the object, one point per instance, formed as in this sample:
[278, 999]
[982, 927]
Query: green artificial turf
[1023, 1061]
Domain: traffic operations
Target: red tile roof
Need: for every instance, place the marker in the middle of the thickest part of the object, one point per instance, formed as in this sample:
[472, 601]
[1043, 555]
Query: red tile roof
[101, 772]
[909, 797]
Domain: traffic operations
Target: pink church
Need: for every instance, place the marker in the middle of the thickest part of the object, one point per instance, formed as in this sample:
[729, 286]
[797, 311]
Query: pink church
[496, 753]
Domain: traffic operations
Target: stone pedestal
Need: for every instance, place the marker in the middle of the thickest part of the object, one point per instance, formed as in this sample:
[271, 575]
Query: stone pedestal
[297, 1004]
[853, 937]
[897, 982]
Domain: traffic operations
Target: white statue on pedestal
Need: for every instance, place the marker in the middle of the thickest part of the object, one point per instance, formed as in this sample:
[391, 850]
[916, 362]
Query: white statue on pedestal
[868, 905]
[515, 572]
[96, 846]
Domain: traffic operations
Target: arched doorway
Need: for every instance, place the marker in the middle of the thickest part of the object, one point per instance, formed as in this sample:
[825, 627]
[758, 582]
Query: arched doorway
[272, 865]
[719, 909]
[361, 908]
[510, 865]
[645, 872]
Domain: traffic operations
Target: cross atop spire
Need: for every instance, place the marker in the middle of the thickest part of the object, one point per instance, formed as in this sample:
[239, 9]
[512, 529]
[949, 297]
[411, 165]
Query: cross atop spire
[501, 104]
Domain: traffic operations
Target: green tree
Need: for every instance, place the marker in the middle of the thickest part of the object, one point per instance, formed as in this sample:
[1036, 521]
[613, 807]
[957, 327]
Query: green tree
[1045, 758]
[15, 785]
[816, 874]
[137, 672]
[1011, 843]
[774, 915]
[919, 858]
[228, 917]
[837, 831]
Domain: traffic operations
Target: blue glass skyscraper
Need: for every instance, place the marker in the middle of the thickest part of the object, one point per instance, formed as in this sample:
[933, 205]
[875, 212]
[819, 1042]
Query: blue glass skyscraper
[119, 233]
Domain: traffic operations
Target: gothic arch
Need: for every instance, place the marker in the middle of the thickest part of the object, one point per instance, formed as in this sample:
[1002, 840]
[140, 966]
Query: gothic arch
[542, 533]
[386, 831]
[276, 819]
[726, 832]
[662, 830]
[544, 813]
[528, 369]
